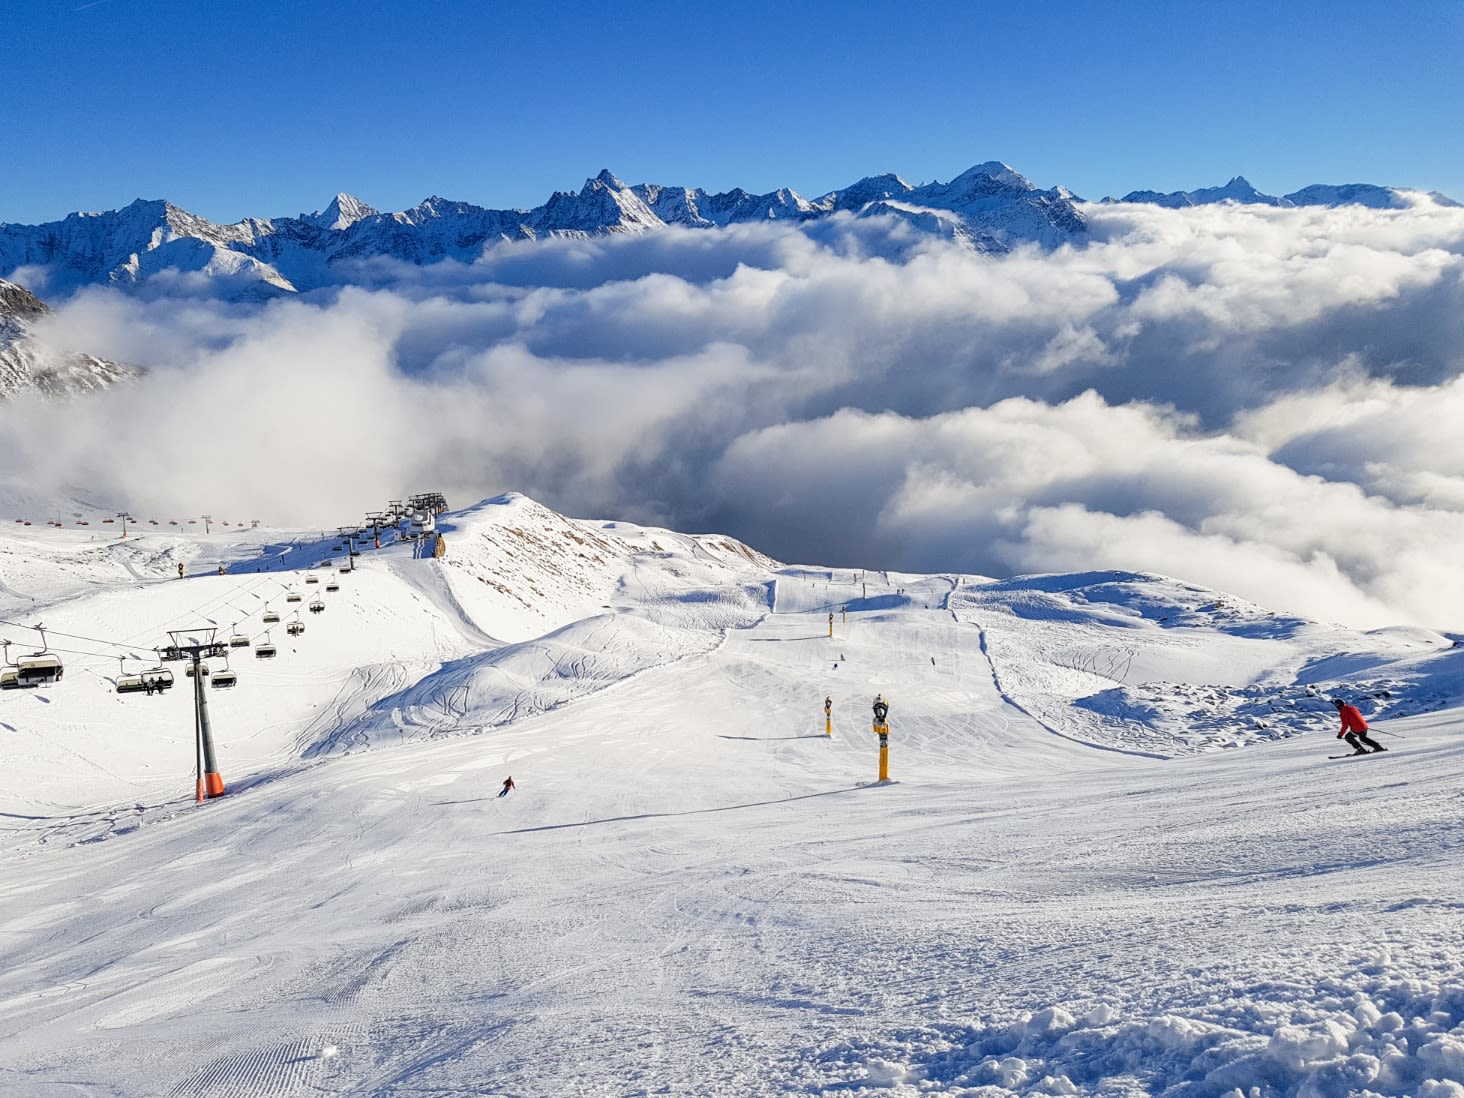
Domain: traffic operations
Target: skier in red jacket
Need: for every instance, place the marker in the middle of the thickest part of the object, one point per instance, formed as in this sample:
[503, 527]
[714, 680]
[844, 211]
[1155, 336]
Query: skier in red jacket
[1354, 728]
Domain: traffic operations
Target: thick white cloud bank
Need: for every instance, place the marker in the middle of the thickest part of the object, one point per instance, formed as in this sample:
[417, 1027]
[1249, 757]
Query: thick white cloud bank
[1261, 400]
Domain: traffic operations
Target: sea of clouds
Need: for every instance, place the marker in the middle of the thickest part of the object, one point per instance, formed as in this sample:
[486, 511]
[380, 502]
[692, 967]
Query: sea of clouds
[1266, 401]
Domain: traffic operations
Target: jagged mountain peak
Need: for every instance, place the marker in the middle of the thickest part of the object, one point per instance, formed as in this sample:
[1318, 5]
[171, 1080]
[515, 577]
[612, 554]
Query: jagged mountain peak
[606, 178]
[341, 212]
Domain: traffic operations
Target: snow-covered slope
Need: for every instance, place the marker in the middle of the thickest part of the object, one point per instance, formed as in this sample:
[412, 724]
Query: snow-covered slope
[27, 364]
[1093, 873]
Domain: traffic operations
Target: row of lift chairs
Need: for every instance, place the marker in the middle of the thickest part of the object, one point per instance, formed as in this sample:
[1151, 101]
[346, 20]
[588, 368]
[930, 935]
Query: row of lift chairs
[45, 667]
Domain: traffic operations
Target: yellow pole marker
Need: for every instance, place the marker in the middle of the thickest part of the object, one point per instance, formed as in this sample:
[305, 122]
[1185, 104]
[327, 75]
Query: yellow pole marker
[882, 730]
[844, 613]
[831, 623]
[829, 716]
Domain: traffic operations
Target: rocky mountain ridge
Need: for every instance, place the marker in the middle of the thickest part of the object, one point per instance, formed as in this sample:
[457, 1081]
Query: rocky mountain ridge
[28, 364]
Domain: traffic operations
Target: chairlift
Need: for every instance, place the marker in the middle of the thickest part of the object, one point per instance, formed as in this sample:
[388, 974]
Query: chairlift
[265, 651]
[131, 684]
[332, 586]
[270, 616]
[295, 628]
[293, 596]
[312, 579]
[159, 678]
[40, 667]
[9, 678]
[128, 684]
[202, 670]
[238, 640]
[345, 570]
[224, 678]
[316, 606]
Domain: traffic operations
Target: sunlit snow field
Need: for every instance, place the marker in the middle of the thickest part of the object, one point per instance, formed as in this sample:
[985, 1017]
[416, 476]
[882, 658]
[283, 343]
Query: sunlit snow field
[1114, 858]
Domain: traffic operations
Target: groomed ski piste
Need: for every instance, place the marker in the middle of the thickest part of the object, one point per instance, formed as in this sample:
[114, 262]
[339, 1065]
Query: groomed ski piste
[1112, 859]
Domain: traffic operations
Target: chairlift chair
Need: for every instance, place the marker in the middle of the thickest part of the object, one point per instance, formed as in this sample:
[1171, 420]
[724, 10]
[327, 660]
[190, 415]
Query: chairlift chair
[312, 579]
[159, 677]
[238, 640]
[295, 628]
[39, 668]
[131, 684]
[9, 678]
[265, 651]
[293, 596]
[224, 678]
[316, 606]
[270, 617]
[202, 670]
[332, 586]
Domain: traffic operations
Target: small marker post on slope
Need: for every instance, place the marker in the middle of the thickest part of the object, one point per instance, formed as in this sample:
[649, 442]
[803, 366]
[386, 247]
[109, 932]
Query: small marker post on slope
[882, 730]
[829, 715]
[831, 623]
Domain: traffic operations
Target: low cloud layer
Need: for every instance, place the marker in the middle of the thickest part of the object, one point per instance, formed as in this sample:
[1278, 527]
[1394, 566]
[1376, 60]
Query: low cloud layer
[1260, 400]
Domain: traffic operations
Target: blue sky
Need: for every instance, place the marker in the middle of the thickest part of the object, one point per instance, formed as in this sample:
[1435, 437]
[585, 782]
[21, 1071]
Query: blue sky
[268, 107]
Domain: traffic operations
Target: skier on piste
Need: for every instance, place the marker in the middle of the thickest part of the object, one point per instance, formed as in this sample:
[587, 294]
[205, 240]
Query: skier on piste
[1354, 729]
[507, 786]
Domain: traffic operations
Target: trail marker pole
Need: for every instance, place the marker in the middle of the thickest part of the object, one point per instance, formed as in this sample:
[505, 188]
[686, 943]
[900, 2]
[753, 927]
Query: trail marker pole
[831, 623]
[829, 716]
[882, 730]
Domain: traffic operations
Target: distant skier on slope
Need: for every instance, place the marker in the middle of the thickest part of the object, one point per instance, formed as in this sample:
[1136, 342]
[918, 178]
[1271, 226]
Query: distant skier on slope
[507, 785]
[1354, 729]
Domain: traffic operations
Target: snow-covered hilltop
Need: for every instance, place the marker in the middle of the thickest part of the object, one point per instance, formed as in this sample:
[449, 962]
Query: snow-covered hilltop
[28, 364]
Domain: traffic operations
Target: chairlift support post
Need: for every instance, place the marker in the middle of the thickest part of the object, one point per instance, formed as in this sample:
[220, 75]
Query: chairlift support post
[194, 645]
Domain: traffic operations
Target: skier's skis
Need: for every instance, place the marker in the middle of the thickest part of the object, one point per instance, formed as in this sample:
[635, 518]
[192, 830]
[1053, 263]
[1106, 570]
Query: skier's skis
[1355, 755]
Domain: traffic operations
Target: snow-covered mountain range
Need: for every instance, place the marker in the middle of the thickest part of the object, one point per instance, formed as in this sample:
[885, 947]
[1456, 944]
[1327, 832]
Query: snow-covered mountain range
[27, 363]
[989, 208]
[1239, 190]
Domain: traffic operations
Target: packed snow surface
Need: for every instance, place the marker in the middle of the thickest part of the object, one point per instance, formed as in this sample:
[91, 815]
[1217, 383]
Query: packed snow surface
[1114, 857]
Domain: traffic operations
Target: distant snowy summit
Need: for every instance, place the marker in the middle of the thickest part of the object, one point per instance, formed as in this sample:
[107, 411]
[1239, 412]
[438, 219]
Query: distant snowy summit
[29, 364]
[1240, 191]
[990, 208]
